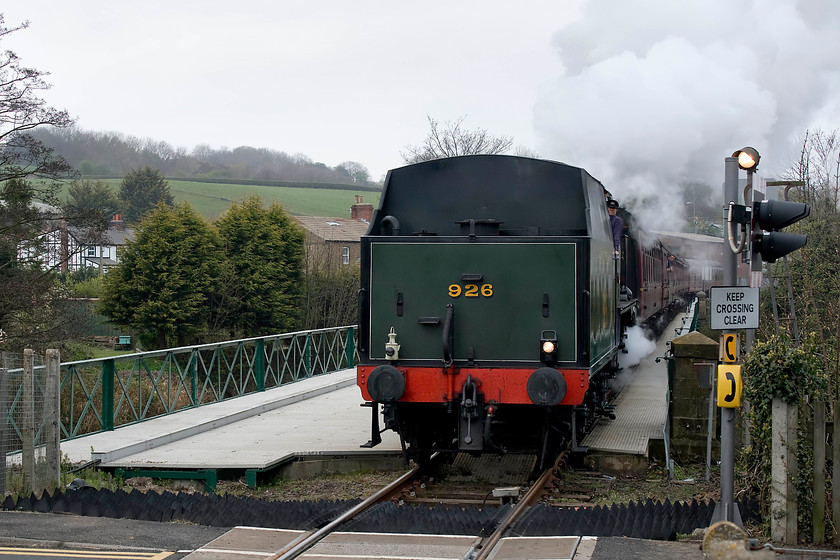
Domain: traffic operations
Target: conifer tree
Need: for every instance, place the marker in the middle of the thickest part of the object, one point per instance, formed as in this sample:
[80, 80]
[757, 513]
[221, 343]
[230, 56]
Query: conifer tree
[162, 286]
[141, 190]
[264, 248]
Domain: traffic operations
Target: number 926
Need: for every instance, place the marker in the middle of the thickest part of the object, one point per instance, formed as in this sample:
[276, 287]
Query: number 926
[471, 290]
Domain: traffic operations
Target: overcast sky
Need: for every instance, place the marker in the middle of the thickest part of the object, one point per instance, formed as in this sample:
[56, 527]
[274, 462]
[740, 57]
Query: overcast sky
[613, 86]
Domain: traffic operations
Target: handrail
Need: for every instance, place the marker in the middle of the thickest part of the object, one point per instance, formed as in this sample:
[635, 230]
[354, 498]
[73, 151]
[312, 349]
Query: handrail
[105, 393]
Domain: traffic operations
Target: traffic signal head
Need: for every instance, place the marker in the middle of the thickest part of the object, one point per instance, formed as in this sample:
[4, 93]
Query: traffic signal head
[772, 245]
[748, 158]
[773, 215]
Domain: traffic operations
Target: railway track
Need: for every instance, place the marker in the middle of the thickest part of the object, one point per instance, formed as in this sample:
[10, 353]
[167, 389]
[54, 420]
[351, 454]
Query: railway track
[299, 546]
[400, 490]
[532, 496]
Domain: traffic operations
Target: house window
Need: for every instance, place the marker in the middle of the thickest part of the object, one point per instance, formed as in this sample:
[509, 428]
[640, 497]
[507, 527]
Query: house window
[91, 251]
[345, 255]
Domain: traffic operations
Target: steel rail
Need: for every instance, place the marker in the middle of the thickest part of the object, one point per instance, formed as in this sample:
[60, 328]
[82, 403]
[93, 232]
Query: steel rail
[305, 542]
[527, 501]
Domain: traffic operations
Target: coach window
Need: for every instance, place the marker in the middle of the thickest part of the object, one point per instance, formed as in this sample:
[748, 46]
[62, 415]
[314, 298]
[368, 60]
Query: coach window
[345, 255]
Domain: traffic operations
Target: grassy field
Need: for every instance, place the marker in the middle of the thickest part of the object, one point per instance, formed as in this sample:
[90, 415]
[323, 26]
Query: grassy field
[211, 199]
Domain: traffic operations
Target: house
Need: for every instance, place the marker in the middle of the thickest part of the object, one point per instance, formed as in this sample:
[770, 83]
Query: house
[337, 241]
[68, 248]
[98, 253]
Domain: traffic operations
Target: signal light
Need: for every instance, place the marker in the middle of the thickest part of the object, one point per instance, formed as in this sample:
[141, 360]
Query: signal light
[548, 347]
[748, 158]
[770, 246]
[773, 215]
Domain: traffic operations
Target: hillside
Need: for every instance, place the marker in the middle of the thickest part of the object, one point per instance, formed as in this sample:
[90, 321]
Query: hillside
[314, 199]
[213, 179]
[113, 154]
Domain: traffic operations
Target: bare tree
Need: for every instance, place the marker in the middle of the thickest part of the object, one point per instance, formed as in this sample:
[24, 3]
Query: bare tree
[330, 289]
[525, 151]
[451, 139]
[817, 285]
[355, 170]
[819, 165]
[29, 175]
[21, 110]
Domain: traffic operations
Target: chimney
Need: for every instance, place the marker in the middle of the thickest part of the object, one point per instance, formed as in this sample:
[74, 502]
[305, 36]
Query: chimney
[117, 222]
[360, 211]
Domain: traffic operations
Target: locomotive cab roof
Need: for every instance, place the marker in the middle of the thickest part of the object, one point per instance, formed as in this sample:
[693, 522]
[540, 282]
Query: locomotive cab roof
[506, 195]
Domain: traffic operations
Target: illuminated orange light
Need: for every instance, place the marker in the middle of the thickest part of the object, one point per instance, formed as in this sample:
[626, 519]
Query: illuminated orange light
[745, 160]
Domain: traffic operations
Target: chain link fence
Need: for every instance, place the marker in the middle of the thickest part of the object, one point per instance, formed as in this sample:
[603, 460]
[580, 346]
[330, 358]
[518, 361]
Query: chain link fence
[29, 420]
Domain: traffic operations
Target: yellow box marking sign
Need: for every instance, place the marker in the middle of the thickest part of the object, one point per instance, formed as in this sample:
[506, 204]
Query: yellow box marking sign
[729, 348]
[729, 386]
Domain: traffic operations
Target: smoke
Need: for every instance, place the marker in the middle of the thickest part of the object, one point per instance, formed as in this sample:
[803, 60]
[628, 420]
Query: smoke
[638, 347]
[656, 93]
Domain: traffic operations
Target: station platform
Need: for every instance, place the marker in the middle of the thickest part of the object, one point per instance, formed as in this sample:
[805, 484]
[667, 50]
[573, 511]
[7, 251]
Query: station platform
[255, 432]
[623, 445]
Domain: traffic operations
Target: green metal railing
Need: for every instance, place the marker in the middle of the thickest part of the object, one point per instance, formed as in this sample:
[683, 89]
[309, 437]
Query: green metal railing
[99, 395]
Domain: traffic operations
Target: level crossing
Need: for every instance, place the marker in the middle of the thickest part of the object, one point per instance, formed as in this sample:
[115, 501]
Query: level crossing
[263, 544]
[317, 416]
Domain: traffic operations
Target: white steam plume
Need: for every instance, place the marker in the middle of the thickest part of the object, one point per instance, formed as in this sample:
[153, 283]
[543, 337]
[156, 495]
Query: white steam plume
[638, 347]
[655, 93]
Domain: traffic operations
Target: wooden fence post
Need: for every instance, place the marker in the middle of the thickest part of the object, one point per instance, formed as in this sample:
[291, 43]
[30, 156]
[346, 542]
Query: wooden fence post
[28, 424]
[52, 419]
[818, 516]
[783, 527]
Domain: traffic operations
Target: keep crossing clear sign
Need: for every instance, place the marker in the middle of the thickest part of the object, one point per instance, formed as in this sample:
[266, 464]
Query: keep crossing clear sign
[734, 308]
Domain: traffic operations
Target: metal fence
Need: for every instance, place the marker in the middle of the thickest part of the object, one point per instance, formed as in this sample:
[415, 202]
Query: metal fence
[29, 445]
[102, 394]
[43, 400]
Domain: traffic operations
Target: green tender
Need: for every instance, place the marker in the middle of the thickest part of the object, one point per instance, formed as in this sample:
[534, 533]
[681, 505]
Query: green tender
[502, 317]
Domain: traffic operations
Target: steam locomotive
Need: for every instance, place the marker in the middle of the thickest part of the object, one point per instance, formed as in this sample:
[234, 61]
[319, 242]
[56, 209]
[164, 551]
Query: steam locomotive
[491, 314]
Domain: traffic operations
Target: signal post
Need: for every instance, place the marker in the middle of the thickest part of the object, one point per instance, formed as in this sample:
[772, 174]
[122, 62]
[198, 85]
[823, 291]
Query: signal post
[735, 308]
[726, 509]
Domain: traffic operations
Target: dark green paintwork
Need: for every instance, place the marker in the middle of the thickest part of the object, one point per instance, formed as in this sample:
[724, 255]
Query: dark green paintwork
[602, 278]
[503, 327]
